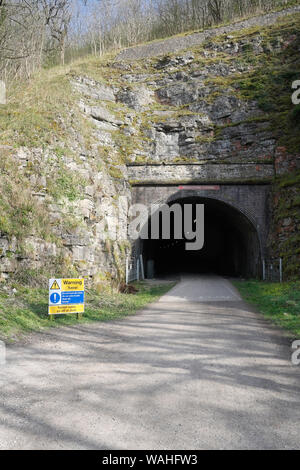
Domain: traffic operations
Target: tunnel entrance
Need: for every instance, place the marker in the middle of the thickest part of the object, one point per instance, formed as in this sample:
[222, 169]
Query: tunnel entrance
[231, 244]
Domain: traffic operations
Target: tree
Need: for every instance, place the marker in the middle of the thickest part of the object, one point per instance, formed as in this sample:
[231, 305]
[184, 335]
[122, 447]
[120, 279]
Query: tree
[57, 16]
[215, 8]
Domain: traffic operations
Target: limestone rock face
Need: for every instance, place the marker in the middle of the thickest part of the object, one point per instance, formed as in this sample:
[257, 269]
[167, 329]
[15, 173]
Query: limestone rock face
[168, 62]
[136, 98]
[92, 89]
[181, 115]
[102, 114]
[182, 93]
[77, 189]
[166, 145]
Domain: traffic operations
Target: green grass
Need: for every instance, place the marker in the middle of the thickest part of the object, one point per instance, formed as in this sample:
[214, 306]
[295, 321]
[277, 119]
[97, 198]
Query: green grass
[280, 303]
[26, 310]
[20, 213]
[66, 184]
[32, 115]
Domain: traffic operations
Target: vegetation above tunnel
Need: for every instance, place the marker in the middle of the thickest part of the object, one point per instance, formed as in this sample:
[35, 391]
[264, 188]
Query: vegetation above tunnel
[45, 124]
[40, 34]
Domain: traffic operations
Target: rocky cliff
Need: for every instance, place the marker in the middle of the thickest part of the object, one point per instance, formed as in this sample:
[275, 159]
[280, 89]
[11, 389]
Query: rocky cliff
[68, 135]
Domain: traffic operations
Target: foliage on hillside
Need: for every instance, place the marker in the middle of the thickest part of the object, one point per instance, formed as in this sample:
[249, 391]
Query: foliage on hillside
[44, 114]
[272, 72]
[269, 83]
[35, 33]
[42, 134]
[285, 236]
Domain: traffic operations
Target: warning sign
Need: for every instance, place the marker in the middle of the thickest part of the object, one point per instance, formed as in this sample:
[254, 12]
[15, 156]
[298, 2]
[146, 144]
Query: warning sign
[72, 284]
[66, 296]
[55, 285]
[60, 309]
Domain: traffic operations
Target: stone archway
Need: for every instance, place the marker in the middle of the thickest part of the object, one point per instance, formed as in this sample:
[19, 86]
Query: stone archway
[236, 231]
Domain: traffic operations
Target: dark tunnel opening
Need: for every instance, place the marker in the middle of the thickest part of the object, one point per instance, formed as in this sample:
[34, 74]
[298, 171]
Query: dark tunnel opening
[231, 244]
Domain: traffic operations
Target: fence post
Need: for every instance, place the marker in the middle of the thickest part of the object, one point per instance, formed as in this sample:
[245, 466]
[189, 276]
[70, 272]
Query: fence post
[127, 273]
[264, 269]
[138, 269]
[2, 92]
[142, 267]
[271, 271]
[280, 269]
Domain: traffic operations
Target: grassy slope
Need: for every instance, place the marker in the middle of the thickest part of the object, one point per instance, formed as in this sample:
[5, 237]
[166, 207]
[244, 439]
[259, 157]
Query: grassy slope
[39, 114]
[26, 310]
[280, 303]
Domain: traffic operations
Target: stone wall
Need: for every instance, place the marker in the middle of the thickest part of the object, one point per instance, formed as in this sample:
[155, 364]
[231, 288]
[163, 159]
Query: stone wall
[196, 173]
[251, 200]
[74, 191]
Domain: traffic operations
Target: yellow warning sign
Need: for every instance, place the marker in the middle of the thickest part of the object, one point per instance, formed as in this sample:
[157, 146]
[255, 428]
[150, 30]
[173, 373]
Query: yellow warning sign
[60, 309]
[66, 296]
[55, 286]
[72, 284]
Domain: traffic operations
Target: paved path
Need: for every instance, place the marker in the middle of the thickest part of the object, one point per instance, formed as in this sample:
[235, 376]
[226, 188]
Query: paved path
[198, 369]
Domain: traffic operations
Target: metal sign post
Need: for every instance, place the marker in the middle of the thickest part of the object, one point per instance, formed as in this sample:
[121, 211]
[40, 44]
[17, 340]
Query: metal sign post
[127, 270]
[142, 267]
[280, 269]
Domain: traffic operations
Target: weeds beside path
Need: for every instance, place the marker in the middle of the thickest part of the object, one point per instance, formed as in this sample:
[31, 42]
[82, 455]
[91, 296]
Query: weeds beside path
[25, 309]
[278, 302]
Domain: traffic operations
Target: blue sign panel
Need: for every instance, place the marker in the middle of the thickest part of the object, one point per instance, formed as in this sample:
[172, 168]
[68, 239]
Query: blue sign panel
[55, 298]
[72, 297]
